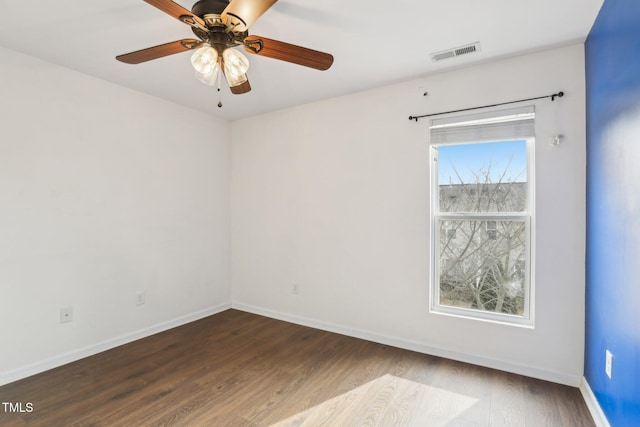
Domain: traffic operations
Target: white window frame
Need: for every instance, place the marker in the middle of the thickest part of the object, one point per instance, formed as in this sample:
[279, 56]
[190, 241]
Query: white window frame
[527, 319]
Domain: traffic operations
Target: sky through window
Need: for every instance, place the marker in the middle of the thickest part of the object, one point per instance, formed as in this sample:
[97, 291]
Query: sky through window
[472, 160]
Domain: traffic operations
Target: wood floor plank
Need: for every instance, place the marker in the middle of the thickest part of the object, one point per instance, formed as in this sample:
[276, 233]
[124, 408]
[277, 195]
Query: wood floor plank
[477, 384]
[507, 401]
[240, 369]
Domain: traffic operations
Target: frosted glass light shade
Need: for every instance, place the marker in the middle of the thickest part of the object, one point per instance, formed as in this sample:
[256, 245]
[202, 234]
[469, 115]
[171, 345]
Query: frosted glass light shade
[204, 60]
[211, 78]
[235, 63]
[234, 80]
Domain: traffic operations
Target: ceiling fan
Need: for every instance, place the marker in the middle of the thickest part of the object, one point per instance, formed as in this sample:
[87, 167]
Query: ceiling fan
[222, 25]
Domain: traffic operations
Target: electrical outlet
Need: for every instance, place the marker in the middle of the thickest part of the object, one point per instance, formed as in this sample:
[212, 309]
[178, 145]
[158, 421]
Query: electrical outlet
[295, 289]
[66, 315]
[608, 367]
[140, 298]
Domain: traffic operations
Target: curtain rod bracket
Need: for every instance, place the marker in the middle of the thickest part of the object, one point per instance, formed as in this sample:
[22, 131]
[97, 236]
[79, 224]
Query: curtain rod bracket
[552, 96]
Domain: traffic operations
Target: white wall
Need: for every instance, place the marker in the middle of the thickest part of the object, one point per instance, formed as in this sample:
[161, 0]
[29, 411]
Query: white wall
[334, 196]
[104, 192]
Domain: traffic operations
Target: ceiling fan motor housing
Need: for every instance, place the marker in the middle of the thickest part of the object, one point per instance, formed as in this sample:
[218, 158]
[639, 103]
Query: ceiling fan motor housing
[209, 7]
[219, 35]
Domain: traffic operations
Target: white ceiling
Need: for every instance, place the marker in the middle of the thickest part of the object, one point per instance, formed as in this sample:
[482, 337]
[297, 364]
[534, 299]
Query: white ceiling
[374, 43]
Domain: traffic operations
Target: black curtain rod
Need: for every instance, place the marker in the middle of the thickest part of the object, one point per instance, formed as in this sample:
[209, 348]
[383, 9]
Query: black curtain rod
[553, 98]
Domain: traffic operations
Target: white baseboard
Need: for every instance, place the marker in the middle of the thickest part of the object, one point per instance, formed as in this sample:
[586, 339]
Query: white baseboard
[502, 365]
[72, 356]
[592, 403]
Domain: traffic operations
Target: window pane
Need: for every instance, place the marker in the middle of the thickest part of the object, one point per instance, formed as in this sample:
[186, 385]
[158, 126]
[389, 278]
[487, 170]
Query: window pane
[482, 265]
[484, 177]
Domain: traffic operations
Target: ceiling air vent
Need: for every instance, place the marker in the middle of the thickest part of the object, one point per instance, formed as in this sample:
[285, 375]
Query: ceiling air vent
[457, 51]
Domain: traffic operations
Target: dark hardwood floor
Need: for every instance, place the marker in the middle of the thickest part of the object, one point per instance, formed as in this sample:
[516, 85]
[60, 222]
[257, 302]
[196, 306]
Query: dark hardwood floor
[239, 369]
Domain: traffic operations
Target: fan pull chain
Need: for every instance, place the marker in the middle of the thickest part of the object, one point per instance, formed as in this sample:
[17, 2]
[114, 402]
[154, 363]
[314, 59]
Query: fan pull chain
[219, 101]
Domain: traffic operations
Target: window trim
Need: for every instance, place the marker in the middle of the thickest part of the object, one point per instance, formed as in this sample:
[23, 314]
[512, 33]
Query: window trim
[528, 318]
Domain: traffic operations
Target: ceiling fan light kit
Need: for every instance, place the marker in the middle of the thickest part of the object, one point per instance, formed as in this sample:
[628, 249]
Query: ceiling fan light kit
[221, 26]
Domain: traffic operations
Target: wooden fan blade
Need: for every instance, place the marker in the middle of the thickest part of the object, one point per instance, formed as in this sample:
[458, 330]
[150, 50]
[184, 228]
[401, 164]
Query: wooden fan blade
[158, 51]
[247, 11]
[178, 12]
[288, 52]
[241, 88]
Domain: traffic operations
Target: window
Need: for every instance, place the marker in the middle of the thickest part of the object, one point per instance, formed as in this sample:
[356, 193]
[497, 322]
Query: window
[450, 230]
[491, 230]
[482, 193]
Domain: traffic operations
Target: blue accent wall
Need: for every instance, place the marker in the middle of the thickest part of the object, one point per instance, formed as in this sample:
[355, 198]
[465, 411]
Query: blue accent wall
[613, 210]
